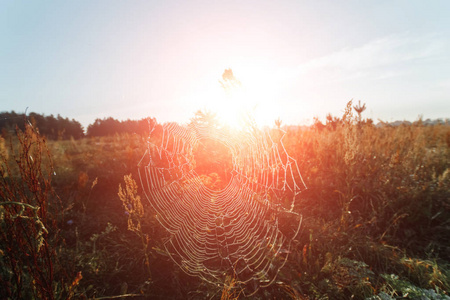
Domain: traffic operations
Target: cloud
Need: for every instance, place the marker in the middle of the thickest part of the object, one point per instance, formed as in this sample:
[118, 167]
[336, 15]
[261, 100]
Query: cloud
[382, 58]
[444, 83]
[404, 69]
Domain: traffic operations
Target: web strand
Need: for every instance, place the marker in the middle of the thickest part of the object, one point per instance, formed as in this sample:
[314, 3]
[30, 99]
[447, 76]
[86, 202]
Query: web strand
[233, 231]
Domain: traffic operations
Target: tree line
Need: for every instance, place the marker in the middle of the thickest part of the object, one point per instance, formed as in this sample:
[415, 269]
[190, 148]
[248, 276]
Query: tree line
[50, 126]
[111, 126]
[55, 128]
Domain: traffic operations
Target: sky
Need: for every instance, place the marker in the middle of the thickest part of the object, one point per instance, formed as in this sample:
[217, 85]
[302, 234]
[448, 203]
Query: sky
[296, 60]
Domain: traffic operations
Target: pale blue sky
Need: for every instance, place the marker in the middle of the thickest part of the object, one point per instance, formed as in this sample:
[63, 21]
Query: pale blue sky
[299, 59]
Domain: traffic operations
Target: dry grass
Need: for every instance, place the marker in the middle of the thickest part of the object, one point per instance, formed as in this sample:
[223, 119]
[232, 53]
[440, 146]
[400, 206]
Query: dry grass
[375, 217]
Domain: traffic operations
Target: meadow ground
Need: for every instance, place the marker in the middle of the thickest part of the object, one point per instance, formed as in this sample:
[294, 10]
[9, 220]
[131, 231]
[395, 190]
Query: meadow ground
[376, 218]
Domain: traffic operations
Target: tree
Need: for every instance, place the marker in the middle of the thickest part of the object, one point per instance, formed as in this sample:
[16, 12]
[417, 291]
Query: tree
[111, 126]
[206, 118]
[48, 126]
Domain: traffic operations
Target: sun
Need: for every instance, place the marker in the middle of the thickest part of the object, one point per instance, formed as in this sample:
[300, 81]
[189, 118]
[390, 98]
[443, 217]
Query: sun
[248, 92]
[238, 93]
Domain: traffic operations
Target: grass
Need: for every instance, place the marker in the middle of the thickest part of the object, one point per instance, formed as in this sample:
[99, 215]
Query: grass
[375, 218]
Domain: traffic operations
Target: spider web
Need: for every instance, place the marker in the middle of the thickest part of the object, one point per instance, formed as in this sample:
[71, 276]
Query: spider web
[243, 231]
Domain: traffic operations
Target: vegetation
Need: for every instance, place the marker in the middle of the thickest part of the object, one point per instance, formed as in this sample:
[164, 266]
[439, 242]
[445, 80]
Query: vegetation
[49, 126]
[74, 223]
[111, 126]
[60, 128]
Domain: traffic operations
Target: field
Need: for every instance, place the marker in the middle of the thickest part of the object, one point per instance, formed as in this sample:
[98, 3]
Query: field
[376, 218]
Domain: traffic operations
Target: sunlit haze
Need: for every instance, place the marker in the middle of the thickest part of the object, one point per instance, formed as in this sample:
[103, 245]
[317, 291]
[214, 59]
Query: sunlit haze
[295, 60]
